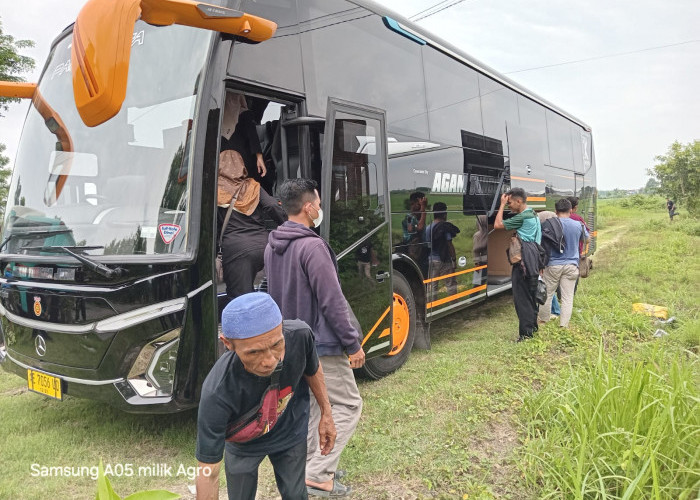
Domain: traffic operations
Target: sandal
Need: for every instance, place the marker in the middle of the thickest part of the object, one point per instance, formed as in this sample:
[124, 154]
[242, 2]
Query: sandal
[340, 474]
[339, 490]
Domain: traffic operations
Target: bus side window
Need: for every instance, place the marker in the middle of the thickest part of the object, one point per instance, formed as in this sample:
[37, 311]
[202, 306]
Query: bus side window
[356, 205]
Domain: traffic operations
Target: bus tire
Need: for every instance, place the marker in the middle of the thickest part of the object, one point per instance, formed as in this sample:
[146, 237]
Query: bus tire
[405, 326]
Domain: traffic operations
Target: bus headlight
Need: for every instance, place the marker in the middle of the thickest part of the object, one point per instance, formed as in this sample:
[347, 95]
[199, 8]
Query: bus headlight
[161, 371]
[153, 372]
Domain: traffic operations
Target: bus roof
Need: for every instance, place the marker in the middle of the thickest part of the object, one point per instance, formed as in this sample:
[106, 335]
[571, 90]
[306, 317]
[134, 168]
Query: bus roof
[446, 48]
[458, 54]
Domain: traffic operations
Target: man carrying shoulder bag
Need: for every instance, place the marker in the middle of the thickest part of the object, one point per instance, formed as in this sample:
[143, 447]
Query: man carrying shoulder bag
[562, 270]
[524, 273]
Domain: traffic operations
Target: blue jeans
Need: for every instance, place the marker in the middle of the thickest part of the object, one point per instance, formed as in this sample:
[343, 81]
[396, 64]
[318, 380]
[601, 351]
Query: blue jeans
[555, 305]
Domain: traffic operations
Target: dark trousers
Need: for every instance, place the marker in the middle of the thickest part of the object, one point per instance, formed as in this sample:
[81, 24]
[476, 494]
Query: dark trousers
[524, 288]
[240, 270]
[289, 466]
[243, 254]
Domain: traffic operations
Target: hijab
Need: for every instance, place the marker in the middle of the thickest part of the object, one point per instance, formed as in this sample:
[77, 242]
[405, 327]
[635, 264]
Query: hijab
[234, 182]
[234, 106]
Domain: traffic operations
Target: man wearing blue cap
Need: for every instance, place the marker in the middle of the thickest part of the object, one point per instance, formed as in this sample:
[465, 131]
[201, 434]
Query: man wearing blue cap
[255, 402]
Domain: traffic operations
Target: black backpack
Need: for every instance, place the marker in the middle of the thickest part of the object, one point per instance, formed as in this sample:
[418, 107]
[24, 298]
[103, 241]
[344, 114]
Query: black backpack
[439, 240]
[553, 236]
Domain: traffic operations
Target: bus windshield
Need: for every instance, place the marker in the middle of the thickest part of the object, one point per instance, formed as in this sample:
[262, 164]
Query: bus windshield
[121, 188]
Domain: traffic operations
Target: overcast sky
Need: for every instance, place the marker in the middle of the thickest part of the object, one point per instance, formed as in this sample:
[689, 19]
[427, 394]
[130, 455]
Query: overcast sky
[637, 103]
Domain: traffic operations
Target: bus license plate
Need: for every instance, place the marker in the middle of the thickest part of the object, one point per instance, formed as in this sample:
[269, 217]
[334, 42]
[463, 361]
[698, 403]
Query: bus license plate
[45, 384]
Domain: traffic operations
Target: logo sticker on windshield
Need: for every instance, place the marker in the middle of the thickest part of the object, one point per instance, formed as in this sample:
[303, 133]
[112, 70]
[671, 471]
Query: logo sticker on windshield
[37, 306]
[168, 232]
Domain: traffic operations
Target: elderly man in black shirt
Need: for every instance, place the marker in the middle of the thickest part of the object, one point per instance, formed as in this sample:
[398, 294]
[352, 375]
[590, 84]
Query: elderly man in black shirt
[255, 402]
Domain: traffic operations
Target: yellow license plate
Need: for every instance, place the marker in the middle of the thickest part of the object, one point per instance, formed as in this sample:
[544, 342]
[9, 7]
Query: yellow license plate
[44, 384]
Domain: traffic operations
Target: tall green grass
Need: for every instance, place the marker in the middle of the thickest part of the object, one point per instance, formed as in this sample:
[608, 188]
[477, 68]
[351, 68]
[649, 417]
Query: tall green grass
[618, 427]
[622, 421]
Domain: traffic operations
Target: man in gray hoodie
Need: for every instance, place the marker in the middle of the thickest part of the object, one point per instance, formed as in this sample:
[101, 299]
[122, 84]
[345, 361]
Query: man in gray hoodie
[302, 275]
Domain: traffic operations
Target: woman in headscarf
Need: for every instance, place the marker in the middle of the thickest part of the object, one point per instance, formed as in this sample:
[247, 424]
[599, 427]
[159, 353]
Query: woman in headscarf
[238, 132]
[243, 239]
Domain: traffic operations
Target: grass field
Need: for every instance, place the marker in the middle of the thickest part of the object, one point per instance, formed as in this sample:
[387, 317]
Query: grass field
[603, 410]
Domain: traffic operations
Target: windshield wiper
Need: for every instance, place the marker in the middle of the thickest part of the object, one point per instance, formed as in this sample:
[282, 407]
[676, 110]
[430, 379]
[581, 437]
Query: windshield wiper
[91, 264]
[47, 232]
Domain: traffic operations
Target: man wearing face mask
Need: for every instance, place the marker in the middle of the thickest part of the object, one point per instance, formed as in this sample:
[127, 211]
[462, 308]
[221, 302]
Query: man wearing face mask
[303, 279]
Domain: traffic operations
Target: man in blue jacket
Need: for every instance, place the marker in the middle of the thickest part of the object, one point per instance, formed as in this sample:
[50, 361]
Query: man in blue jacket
[302, 275]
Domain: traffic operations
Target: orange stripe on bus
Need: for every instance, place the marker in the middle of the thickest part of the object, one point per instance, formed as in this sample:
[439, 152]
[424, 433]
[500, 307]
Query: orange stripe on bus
[381, 318]
[455, 297]
[444, 276]
[527, 179]
[536, 198]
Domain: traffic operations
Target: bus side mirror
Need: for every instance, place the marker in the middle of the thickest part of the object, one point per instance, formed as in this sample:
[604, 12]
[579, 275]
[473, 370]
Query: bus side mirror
[103, 34]
[100, 55]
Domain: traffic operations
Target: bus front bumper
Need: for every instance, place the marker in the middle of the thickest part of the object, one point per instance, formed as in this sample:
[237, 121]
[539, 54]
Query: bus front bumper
[117, 393]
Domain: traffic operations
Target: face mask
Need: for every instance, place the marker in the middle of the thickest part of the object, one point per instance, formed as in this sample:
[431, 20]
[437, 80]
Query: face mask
[317, 221]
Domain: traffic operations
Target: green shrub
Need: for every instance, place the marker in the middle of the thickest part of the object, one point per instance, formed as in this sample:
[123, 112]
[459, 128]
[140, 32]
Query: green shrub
[106, 492]
[643, 202]
[687, 225]
[617, 429]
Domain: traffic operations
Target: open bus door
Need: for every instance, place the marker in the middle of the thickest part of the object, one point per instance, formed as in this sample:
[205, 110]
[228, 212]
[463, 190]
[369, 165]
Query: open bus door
[357, 225]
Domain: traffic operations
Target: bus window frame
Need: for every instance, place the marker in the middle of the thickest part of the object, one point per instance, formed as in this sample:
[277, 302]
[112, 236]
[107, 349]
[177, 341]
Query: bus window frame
[335, 105]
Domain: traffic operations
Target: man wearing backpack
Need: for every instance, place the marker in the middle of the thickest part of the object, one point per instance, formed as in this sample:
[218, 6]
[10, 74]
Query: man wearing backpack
[562, 270]
[442, 254]
[523, 278]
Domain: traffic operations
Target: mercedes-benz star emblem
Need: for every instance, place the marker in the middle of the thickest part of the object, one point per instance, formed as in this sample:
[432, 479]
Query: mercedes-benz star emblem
[40, 345]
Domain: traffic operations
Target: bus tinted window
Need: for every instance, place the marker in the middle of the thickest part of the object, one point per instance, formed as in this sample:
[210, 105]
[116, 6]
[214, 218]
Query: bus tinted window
[532, 117]
[452, 93]
[578, 140]
[526, 159]
[560, 146]
[340, 43]
[357, 183]
[278, 60]
[498, 106]
[560, 183]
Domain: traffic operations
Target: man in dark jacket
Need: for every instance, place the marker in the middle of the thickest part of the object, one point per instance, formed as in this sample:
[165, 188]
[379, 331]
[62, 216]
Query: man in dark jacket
[303, 279]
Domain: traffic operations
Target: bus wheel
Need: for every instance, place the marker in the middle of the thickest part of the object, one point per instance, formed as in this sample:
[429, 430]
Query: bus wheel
[404, 332]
